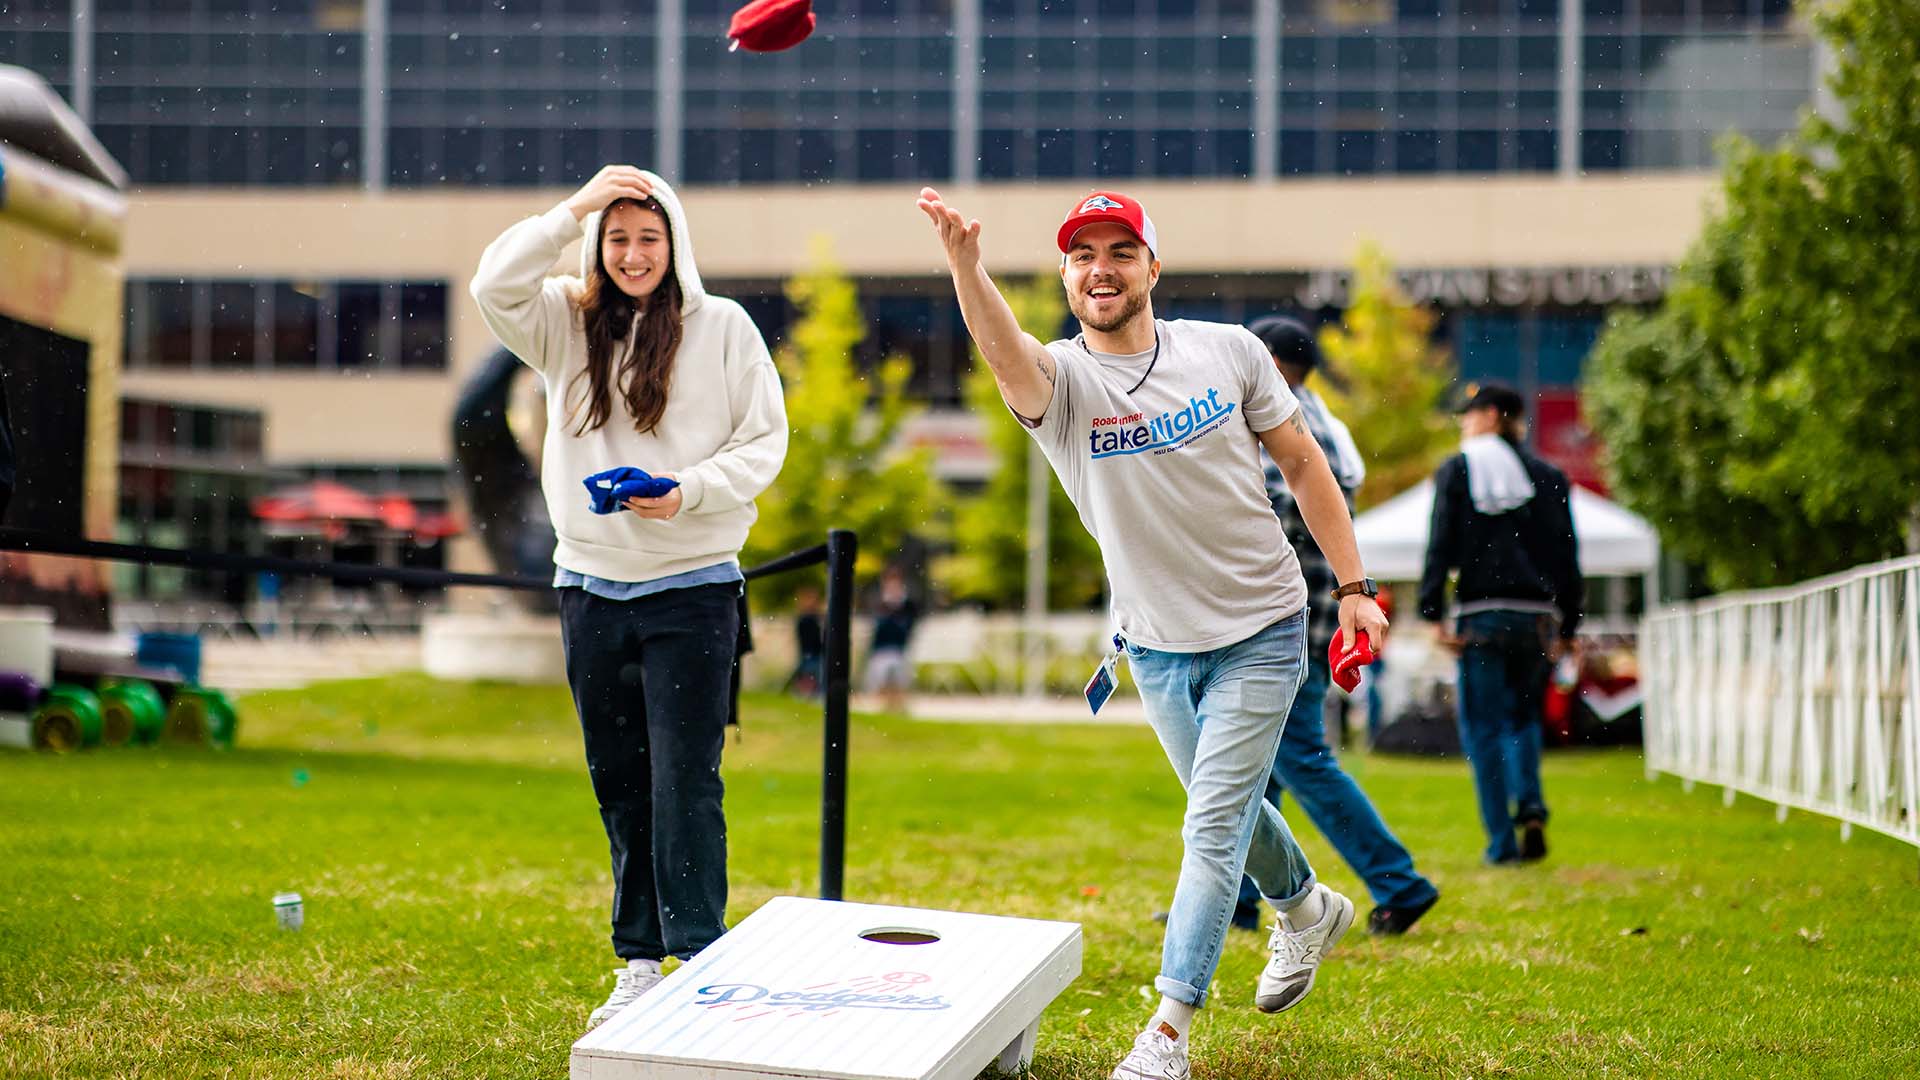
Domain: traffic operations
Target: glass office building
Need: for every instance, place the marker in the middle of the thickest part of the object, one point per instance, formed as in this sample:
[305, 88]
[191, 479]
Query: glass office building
[525, 92]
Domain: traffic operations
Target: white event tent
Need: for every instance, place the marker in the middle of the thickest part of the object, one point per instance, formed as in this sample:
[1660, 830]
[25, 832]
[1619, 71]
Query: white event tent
[1614, 541]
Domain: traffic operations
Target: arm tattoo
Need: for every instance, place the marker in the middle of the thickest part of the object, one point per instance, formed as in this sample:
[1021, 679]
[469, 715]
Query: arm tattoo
[1045, 364]
[1300, 425]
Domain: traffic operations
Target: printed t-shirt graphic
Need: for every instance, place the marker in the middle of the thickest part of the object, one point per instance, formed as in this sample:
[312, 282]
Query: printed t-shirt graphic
[1166, 475]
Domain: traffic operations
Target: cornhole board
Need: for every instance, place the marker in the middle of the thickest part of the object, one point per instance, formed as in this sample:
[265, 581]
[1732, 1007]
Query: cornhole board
[836, 991]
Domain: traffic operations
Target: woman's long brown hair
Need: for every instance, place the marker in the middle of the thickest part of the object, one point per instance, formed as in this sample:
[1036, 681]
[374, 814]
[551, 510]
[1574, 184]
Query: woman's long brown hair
[646, 371]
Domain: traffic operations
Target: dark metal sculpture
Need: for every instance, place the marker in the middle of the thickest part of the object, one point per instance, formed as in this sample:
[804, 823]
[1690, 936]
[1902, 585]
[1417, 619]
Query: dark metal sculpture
[502, 486]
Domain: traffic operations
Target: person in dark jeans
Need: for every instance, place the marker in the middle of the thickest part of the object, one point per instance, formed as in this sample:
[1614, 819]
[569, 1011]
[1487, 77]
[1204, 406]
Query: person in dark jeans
[889, 674]
[644, 371]
[651, 677]
[1503, 518]
[810, 644]
[1306, 765]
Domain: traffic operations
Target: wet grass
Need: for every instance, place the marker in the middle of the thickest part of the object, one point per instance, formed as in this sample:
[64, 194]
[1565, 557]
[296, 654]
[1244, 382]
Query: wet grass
[446, 844]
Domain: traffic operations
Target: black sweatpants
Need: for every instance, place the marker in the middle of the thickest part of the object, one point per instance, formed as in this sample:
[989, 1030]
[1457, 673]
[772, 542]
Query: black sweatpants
[652, 680]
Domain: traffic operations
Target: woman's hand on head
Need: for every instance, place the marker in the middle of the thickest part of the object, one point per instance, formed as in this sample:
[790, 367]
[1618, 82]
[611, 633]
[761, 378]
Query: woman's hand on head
[608, 185]
[659, 509]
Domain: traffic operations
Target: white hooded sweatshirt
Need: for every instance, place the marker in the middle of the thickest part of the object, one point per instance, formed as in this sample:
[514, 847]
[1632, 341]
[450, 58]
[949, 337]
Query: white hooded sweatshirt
[724, 432]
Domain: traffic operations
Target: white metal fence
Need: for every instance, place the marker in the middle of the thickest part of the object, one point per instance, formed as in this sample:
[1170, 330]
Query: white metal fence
[1807, 696]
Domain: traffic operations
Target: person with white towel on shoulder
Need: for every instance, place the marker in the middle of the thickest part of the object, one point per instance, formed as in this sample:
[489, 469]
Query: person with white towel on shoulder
[1503, 519]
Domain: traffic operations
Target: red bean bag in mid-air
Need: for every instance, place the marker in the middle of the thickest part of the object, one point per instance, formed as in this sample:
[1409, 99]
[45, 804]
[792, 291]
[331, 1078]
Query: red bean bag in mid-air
[771, 25]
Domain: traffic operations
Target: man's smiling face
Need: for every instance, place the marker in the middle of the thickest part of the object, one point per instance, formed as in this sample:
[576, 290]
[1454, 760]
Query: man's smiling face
[1108, 273]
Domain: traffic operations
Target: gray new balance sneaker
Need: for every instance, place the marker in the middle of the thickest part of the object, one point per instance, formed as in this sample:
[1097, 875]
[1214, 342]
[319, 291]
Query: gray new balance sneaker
[628, 984]
[1297, 954]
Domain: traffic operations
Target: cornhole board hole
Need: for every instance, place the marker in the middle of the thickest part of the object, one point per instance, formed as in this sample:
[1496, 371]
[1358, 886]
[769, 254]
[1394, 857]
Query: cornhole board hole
[839, 991]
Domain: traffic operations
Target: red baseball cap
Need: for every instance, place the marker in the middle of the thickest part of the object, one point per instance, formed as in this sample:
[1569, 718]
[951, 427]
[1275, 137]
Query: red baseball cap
[771, 25]
[1114, 207]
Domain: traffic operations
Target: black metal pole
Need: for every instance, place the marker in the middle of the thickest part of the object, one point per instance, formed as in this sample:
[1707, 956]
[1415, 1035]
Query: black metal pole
[841, 548]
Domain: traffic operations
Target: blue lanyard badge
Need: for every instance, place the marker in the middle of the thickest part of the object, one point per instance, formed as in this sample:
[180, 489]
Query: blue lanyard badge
[1101, 686]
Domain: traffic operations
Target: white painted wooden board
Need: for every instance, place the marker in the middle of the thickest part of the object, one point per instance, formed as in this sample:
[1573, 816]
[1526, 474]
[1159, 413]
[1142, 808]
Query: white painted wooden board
[795, 991]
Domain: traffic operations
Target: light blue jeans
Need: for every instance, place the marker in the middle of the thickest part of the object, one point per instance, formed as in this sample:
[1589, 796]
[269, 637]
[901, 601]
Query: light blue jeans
[1219, 715]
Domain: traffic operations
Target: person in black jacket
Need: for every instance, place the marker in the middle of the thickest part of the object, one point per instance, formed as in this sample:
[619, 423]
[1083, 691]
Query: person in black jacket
[810, 642]
[1502, 517]
[889, 674]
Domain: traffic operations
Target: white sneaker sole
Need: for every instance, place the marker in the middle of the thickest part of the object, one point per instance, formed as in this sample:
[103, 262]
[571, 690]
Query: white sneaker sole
[1342, 922]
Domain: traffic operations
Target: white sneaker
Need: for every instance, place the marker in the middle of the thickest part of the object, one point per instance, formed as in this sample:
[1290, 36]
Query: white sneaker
[628, 984]
[1153, 1057]
[1297, 953]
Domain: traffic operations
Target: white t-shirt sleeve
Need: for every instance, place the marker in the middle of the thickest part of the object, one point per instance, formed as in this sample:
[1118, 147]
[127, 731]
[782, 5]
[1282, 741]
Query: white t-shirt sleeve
[1269, 401]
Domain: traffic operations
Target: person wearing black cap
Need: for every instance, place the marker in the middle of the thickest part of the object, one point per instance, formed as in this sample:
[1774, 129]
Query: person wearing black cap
[1306, 766]
[1503, 518]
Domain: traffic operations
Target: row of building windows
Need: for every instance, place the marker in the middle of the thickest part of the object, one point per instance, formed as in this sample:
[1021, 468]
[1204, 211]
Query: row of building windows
[1540, 340]
[150, 429]
[351, 13]
[496, 92]
[286, 325]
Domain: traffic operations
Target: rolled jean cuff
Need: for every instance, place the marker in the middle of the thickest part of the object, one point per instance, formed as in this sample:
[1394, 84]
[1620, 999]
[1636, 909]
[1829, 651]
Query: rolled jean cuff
[1184, 993]
[1294, 901]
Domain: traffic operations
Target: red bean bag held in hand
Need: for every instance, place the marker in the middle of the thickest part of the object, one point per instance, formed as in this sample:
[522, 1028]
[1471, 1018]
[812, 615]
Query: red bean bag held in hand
[771, 25]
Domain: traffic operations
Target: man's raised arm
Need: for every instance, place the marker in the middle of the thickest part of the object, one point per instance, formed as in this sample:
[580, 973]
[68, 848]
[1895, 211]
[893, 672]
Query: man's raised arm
[1020, 363]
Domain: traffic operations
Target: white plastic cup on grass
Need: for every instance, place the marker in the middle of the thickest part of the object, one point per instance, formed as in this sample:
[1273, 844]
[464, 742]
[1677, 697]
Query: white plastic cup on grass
[288, 909]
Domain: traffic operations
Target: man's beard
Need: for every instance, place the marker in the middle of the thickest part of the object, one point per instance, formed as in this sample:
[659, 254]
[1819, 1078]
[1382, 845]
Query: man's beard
[1081, 306]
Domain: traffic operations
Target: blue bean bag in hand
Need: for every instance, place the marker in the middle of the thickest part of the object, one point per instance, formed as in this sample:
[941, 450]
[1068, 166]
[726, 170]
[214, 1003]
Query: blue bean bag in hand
[611, 489]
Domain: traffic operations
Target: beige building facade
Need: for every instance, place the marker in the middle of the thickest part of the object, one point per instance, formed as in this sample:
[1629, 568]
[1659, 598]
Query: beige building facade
[1474, 224]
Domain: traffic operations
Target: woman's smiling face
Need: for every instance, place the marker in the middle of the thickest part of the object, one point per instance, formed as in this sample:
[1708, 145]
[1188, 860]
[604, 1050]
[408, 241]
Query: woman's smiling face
[634, 248]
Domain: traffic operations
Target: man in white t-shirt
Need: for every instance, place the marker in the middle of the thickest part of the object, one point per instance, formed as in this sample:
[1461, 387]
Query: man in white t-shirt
[1151, 427]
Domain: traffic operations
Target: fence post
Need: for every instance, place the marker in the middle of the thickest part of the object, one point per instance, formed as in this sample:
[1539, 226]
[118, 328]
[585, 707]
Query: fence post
[842, 545]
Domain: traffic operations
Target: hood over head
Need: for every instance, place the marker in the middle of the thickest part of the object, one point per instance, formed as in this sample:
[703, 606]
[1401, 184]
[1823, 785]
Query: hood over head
[692, 293]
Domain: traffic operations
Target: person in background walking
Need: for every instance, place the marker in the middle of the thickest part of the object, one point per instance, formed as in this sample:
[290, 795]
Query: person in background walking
[1503, 518]
[889, 674]
[810, 644]
[1306, 765]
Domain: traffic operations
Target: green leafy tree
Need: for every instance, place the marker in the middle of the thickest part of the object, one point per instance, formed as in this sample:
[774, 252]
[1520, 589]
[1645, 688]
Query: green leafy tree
[1396, 378]
[843, 468]
[1666, 402]
[1766, 418]
[990, 529]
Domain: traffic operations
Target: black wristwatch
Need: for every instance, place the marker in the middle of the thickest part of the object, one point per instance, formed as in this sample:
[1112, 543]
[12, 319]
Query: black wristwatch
[1364, 587]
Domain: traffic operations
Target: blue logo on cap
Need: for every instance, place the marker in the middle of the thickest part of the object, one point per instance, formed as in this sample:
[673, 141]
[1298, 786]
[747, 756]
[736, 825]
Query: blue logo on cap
[1099, 202]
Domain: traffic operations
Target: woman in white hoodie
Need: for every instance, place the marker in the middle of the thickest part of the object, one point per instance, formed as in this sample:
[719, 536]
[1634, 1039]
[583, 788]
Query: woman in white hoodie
[646, 371]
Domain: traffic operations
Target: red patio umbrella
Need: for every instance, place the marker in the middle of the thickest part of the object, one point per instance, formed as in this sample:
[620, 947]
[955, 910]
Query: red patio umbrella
[437, 526]
[397, 512]
[320, 500]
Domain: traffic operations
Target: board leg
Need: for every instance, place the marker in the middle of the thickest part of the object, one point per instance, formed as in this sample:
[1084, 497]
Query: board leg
[1019, 1053]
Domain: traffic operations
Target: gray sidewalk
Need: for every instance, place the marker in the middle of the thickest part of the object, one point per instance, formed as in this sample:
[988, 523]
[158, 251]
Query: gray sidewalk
[239, 667]
[1122, 709]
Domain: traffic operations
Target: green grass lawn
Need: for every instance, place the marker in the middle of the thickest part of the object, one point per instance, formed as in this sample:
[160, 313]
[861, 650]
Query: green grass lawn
[455, 878]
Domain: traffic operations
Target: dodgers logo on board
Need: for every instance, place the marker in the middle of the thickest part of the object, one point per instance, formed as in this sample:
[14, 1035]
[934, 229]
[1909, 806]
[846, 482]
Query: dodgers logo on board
[1099, 202]
[899, 991]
